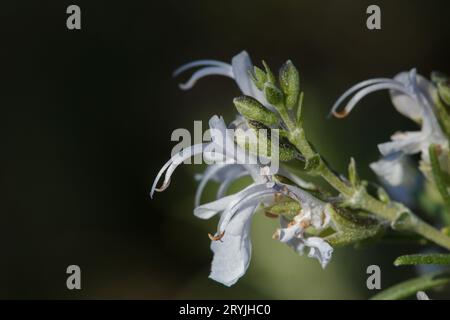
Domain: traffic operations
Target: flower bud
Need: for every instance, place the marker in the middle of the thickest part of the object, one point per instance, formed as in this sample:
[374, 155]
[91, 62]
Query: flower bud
[251, 109]
[273, 95]
[270, 77]
[290, 83]
[258, 77]
[258, 140]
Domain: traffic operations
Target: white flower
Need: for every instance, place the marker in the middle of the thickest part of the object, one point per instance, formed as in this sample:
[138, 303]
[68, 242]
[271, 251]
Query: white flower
[238, 70]
[221, 150]
[231, 244]
[413, 96]
[422, 296]
[313, 213]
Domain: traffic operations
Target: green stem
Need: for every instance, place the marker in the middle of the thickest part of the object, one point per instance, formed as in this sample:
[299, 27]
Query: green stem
[362, 199]
[439, 179]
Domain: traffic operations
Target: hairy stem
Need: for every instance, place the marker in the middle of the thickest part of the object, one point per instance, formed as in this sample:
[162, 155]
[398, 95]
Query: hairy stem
[361, 199]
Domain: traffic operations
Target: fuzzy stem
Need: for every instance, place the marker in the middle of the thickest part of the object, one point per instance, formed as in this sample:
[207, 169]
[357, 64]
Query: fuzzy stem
[365, 201]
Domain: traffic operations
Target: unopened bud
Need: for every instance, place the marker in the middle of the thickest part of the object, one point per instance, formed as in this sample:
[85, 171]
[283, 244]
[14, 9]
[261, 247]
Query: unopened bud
[290, 83]
[270, 77]
[258, 77]
[273, 95]
[251, 109]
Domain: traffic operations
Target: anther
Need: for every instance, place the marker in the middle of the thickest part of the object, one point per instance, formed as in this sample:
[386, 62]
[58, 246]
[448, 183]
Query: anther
[216, 238]
[341, 114]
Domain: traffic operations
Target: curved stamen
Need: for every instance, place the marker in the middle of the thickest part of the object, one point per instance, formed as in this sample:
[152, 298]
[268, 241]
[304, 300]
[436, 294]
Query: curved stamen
[223, 71]
[199, 63]
[356, 88]
[392, 85]
[170, 166]
[251, 197]
[216, 238]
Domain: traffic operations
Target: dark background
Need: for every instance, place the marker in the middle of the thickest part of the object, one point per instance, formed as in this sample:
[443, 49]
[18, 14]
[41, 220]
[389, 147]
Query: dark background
[85, 124]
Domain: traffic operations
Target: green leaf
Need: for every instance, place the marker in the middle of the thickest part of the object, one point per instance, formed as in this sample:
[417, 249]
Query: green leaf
[415, 259]
[410, 287]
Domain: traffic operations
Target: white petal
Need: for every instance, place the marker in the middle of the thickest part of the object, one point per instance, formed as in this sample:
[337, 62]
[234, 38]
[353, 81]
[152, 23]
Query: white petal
[391, 169]
[242, 65]
[234, 174]
[404, 103]
[232, 253]
[250, 196]
[422, 296]
[200, 63]
[286, 235]
[209, 71]
[210, 173]
[208, 210]
[320, 249]
[173, 163]
[405, 142]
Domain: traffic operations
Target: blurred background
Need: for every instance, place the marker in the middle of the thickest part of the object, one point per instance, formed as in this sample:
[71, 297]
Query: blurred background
[86, 119]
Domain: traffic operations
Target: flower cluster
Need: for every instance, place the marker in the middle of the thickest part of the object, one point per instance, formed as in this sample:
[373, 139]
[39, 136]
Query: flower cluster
[311, 217]
[231, 244]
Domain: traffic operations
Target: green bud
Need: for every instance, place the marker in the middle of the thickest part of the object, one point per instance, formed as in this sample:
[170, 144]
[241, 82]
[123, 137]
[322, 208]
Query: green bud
[444, 92]
[270, 77]
[273, 95]
[260, 144]
[353, 227]
[290, 83]
[353, 174]
[313, 163]
[383, 195]
[259, 77]
[288, 209]
[251, 109]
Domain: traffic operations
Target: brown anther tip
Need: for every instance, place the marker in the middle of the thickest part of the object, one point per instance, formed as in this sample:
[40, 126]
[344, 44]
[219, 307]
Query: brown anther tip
[216, 238]
[340, 115]
[292, 223]
[438, 149]
[163, 187]
[271, 215]
[305, 224]
[277, 196]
